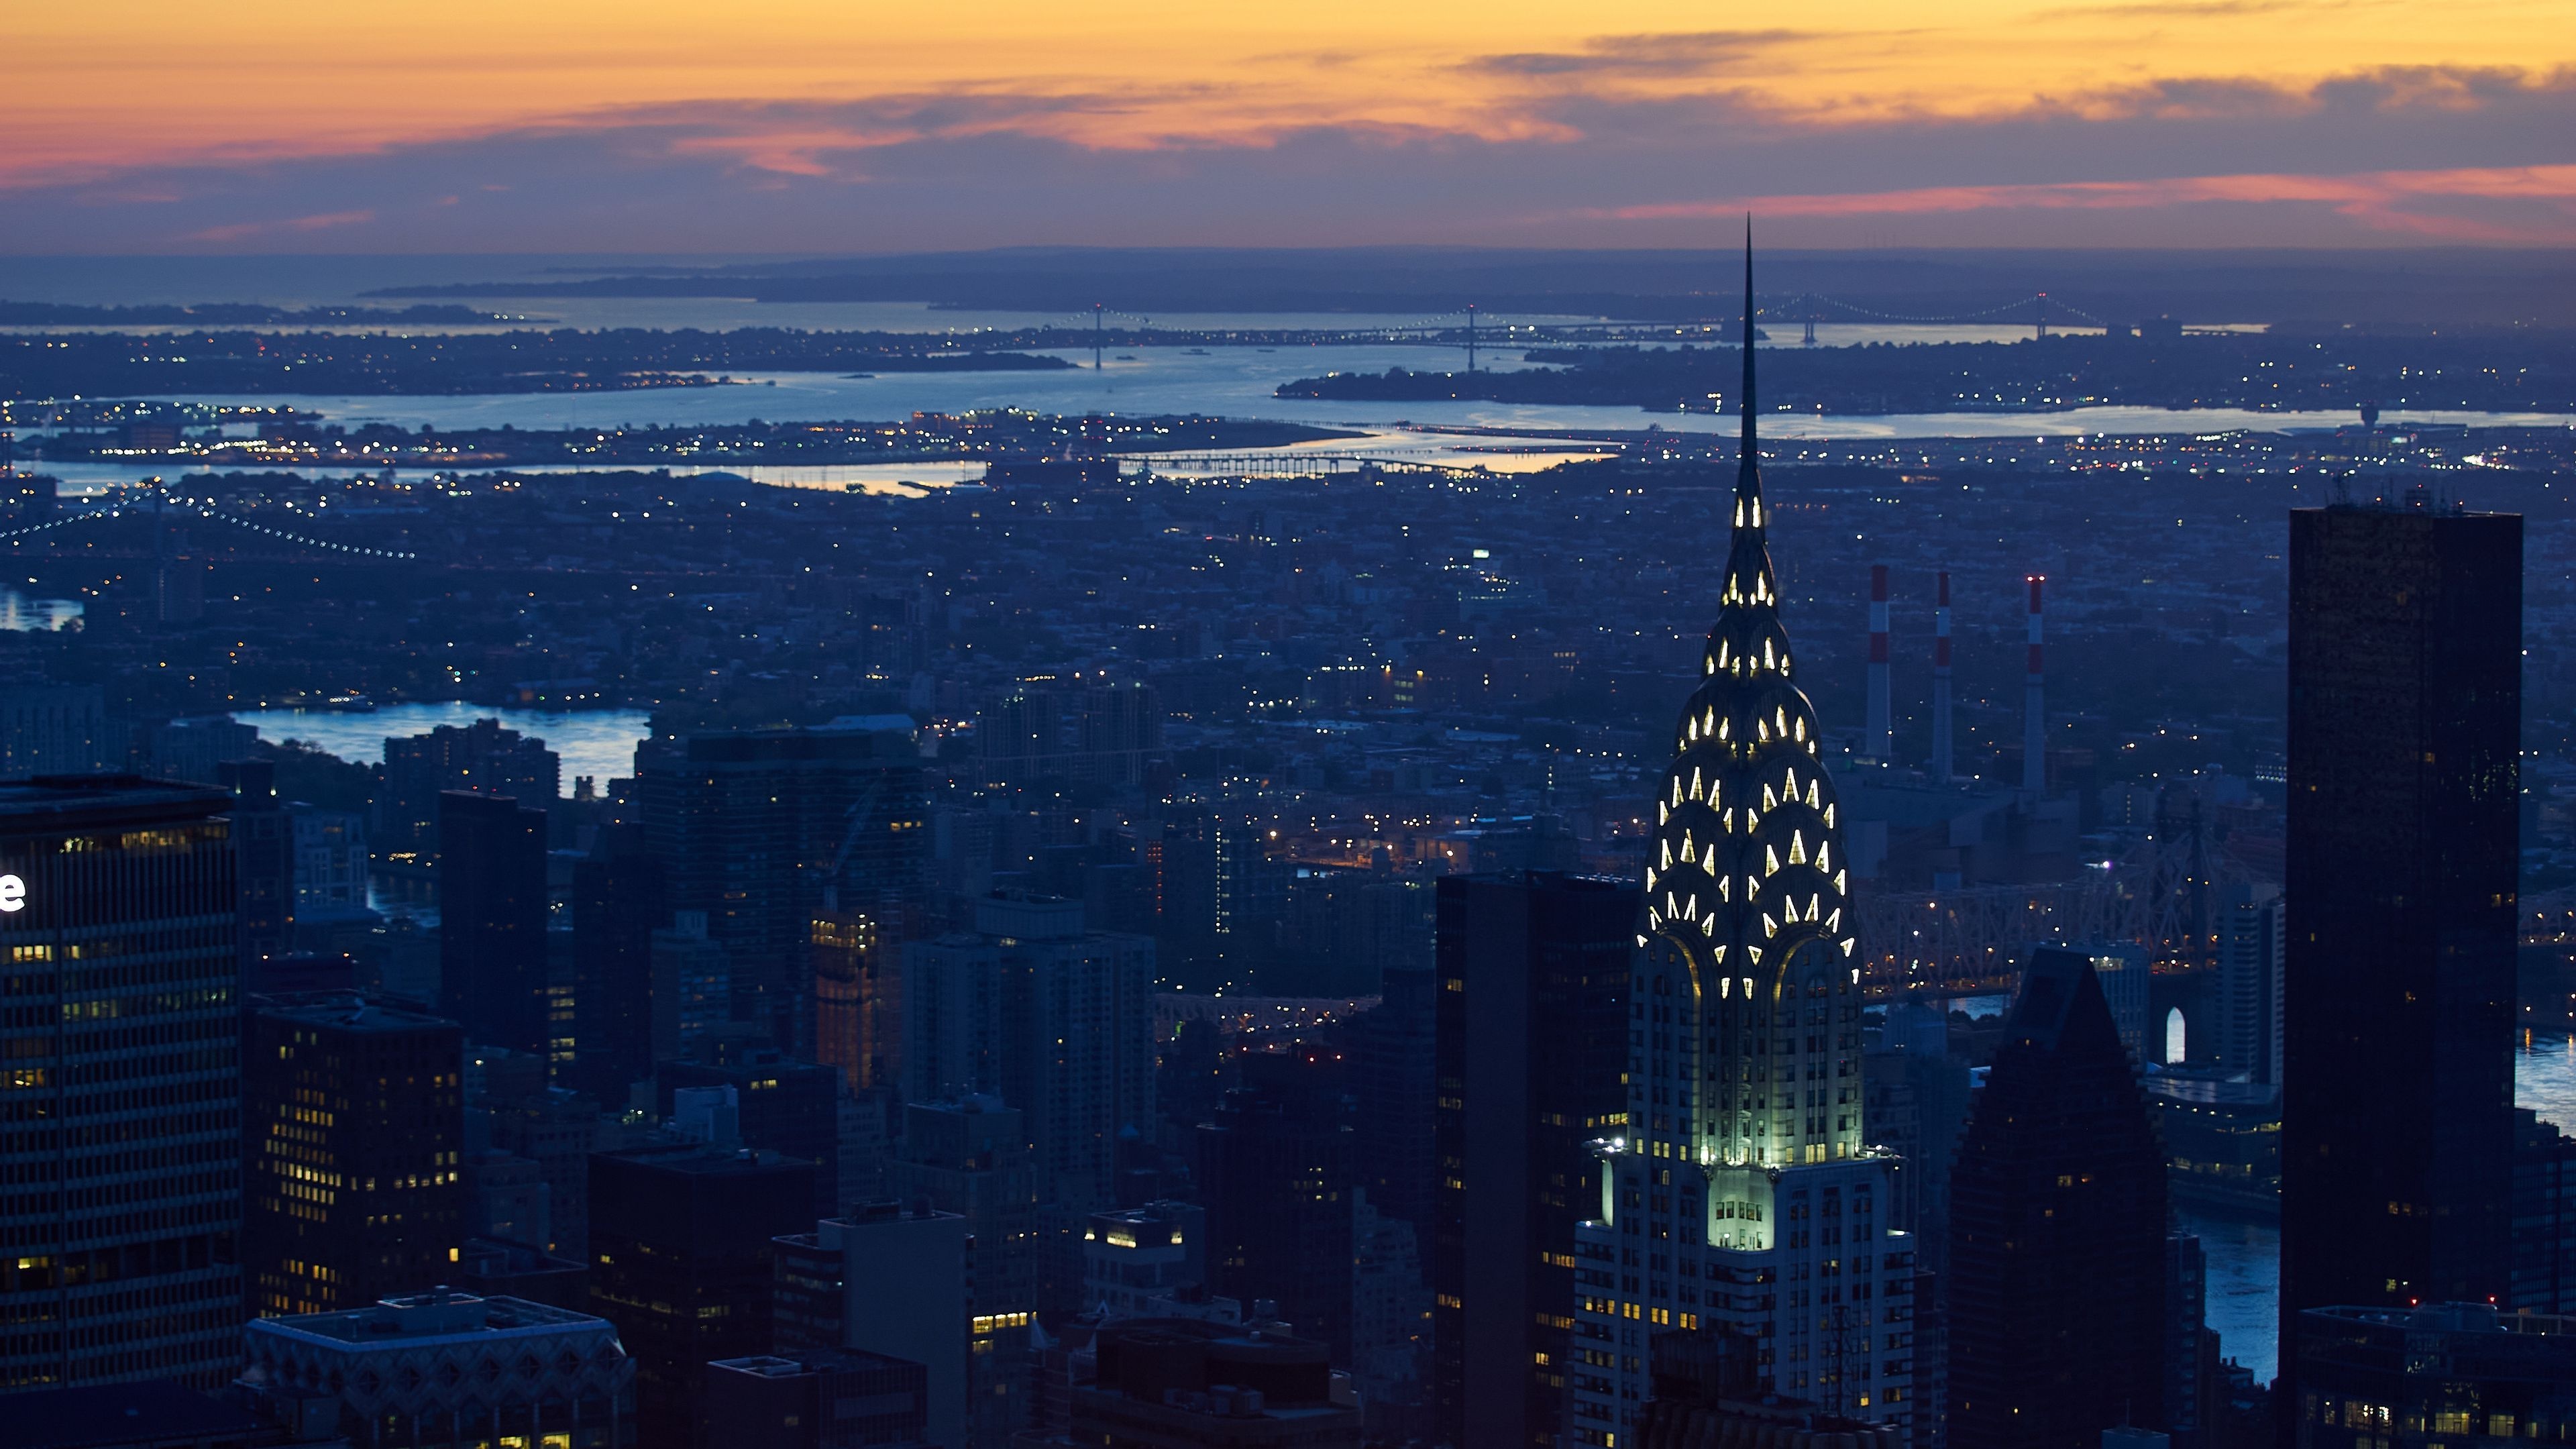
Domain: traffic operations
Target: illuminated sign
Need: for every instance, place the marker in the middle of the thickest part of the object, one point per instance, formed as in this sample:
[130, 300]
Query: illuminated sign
[13, 893]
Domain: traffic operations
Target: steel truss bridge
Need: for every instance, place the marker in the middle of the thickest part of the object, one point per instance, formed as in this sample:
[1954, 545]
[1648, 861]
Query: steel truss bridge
[1969, 942]
[1284, 463]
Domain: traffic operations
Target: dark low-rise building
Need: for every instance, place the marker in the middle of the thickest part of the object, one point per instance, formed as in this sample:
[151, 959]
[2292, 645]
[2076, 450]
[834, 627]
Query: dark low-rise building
[845, 1400]
[2447, 1374]
[1180, 1383]
[442, 1369]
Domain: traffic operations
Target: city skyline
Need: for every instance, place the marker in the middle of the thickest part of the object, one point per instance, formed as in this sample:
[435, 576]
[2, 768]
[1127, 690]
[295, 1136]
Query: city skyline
[1121, 726]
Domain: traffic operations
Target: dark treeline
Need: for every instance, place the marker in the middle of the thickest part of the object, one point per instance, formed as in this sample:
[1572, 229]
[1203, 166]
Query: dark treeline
[2491, 371]
[131, 364]
[236, 314]
[981, 434]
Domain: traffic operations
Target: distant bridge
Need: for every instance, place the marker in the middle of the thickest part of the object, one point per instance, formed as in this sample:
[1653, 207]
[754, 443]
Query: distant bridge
[157, 514]
[1970, 941]
[1285, 463]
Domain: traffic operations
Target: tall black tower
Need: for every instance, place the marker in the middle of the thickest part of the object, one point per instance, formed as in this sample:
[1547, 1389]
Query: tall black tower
[1531, 1034]
[492, 919]
[2057, 1229]
[2397, 1017]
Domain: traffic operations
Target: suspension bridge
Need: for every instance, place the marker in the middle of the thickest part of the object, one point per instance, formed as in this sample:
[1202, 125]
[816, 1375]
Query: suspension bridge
[157, 513]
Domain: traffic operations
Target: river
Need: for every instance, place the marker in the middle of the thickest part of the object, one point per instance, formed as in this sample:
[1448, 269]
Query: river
[2245, 1258]
[599, 743]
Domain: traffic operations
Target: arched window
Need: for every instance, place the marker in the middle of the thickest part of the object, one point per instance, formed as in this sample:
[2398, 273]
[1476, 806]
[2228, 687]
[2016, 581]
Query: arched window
[2175, 1054]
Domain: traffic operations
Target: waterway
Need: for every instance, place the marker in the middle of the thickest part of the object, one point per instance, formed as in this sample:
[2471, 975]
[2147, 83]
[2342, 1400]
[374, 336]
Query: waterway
[1240, 382]
[599, 743]
[2245, 1258]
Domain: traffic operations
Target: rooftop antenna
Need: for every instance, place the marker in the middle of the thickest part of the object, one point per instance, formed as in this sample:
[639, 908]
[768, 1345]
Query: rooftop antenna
[1745, 446]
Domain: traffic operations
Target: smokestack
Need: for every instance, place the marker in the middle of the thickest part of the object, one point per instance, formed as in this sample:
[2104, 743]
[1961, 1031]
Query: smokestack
[1941, 683]
[1878, 740]
[2034, 710]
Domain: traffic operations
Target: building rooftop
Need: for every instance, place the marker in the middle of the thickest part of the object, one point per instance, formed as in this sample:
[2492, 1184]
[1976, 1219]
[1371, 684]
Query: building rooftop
[343, 1011]
[427, 1317]
[2453, 1318]
[53, 802]
[122, 1414]
[704, 1158]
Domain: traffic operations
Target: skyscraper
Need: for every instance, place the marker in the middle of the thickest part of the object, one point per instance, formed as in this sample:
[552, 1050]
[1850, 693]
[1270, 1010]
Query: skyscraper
[2057, 1229]
[125, 1063]
[263, 860]
[971, 1158]
[1394, 1083]
[617, 904]
[2250, 917]
[1277, 1168]
[1056, 1019]
[753, 826]
[858, 998]
[1742, 1195]
[492, 919]
[784, 1106]
[681, 1260]
[2397, 1020]
[1533, 1029]
[356, 1118]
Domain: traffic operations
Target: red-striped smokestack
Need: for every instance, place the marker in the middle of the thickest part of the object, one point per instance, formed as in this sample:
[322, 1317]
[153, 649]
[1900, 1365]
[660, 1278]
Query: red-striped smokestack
[1941, 682]
[1878, 739]
[2034, 709]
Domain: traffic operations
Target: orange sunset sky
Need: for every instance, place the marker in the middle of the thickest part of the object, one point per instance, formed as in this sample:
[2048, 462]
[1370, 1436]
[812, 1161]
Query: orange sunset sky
[479, 125]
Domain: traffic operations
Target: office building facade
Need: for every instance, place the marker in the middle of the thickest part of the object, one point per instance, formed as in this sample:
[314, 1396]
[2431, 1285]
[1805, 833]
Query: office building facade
[2401, 865]
[355, 1124]
[1277, 1168]
[123, 1139]
[2441, 1374]
[1056, 1020]
[1532, 971]
[682, 1250]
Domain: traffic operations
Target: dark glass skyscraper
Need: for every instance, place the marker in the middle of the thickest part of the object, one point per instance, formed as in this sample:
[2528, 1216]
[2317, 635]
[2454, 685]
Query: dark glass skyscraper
[264, 861]
[492, 919]
[2057, 1230]
[618, 902]
[1532, 1033]
[122, 1147]
[2404, 732]
[754, 826]
[1277, 1168]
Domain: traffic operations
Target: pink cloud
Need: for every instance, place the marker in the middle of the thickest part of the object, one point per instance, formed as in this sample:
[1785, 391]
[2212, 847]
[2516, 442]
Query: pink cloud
[244, 230]
[791, 152]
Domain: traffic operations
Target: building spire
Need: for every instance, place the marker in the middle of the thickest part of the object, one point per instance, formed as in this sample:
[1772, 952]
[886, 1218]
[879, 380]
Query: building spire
[1745, 449]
